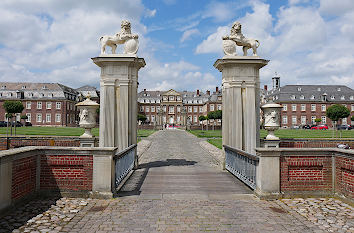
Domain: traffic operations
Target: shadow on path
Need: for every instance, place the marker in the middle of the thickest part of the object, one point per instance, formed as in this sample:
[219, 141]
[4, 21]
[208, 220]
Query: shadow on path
[168, 162]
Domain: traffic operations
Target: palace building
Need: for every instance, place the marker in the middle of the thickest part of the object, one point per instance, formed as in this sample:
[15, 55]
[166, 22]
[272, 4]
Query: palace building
[302, 104]
[173, 104]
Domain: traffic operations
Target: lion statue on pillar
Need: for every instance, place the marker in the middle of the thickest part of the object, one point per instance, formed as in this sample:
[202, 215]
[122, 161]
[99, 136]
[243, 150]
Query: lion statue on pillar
[125, 36]
[237, 38]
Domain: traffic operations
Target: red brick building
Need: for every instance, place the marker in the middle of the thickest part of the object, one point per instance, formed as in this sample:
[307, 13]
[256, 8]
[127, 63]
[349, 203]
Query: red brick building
[302, 104]
[46, 104]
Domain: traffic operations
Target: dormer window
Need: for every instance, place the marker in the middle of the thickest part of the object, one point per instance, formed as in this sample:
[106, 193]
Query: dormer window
[3, 87]
[144, 94]
[10, 94]
[312, 97]
[302, 97]
[332, 97]
[338, 89]
[351, 97]
[293, 97]
[23, 87]
[51, 95]
[299, 89]
[42, 95]
[318, 89]
[342, 97]
[44, 87]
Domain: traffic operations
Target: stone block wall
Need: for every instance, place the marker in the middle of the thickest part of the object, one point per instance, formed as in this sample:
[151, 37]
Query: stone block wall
[344, 181]
[16, 142]
[314, 143]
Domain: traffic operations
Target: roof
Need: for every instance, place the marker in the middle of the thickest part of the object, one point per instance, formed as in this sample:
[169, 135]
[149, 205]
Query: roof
[312, 93]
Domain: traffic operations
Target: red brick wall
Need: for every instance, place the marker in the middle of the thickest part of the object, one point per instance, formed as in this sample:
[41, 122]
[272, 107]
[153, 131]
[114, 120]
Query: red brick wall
[305, 173]
[23, 177]
[21, 142]
[313, 143]
[66, 172]
[345, 176]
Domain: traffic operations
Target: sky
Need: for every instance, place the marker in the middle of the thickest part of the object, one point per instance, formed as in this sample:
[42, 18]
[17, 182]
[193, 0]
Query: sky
[306, 41]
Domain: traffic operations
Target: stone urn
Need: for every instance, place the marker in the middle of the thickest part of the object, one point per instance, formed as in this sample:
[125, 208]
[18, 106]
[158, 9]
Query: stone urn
[271, 112]
[88, 114]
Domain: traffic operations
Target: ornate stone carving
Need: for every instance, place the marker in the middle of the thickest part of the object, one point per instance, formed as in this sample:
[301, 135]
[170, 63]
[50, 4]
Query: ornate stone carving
[236, 38]
[125, 36]
[88, 113]
[271, 119]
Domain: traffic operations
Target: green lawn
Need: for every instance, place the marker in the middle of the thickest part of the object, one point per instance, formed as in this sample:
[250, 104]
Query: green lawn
[285, 133]
[216, 142]
[62, 131]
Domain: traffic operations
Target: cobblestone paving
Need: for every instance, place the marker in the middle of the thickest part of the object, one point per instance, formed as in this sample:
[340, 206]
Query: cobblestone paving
[327, 213]
[151, 204]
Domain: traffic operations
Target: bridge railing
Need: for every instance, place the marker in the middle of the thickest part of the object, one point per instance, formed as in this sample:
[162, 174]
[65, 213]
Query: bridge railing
[242, 164]
[124, 163]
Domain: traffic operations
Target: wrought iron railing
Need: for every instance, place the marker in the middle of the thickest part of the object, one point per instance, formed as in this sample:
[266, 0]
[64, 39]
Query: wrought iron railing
[124, 163]
[241, 164]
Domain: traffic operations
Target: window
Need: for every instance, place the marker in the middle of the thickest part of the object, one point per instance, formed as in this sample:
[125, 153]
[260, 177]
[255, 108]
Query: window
[189, 108]
[171, 98]
[344, 121]
[352, 107]
[303, 107]
[285, 107]
[302, 97]
[313, 107]
[23, 87]
[319, 89]
[313, 119]
[342, 97]
[299, 89]
[200, 109]
[219, 106]
[195, 109]
[312, 97]
[303, 120]
[147, 109]
[164, 108]
[152, 108]
[178, 119]
[44, 87]
[171, 109]
[292, 97]
[147, 118]
[332, 97]
[293, 120]
[164, 119]
[58, 105]
[39, 105]
[195, 119]
[211, 107]
[178, 108]
[157, 108]
[141, 108]
[28, 117]
[351, 97]
[48, 117]
[178, 98]
[152, 118]
[293, 107]
[28, 105]
[323, 107]
[323, 119]
[58, 117]
[3, 87]
[164, 97]
[285, 120]
[49, 105]
[338, 89]
[39, 117]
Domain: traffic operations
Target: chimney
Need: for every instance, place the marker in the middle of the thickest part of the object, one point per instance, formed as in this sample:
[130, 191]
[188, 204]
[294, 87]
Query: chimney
[144, 90]
[208, 92]
[265, 88]
[217, 89]
[197, 92]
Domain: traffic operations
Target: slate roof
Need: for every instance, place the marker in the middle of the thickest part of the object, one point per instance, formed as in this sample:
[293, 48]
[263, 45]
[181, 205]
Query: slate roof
[311, 93]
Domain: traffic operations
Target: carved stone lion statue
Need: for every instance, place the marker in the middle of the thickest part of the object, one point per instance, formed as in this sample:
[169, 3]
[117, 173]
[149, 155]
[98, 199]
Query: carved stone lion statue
[237, 38]
[125, 36]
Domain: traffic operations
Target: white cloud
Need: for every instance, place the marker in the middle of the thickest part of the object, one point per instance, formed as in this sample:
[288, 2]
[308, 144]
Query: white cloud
[188, 34]
[150, 13]
[337, 8]
[213, 44]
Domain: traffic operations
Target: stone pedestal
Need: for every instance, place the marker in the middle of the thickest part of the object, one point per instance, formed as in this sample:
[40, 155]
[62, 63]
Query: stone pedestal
[118, 99]
[271, 143]
[88, 142]
[241, 101]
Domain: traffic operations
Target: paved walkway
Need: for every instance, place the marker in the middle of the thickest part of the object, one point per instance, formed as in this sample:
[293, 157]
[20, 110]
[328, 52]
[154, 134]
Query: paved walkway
[178, 188]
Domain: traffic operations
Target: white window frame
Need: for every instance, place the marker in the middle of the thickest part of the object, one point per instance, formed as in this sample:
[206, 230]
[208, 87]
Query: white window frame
[323, 119]
[195, 119]
[39, 105]
[48, 117]
[303, 120]
[190, 109]
[293, 120]
[323, 107]
[147, 109]
[152, 108]
[58, 105]
[28, 104]
[29, 117]
[285, 107]
[212, 107]
[285, 120]
[303, 107]
[313, 107]
[293, 107]
[195, 109]
[313, 119]
[58, 117]
[39, 117]
[49, 105]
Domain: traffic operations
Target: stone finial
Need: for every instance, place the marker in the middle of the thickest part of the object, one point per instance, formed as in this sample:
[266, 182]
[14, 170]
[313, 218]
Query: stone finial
[88, 113]
[236, 38]
[271, 119]
[125, 36]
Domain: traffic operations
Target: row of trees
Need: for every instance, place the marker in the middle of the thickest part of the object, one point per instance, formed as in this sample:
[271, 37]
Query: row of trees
[214, 115]
[12, 108]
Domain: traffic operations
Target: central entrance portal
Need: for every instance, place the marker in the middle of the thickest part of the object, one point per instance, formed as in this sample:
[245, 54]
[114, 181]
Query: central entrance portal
[172, 120]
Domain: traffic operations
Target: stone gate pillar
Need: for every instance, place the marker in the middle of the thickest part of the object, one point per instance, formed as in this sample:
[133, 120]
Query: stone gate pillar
[240, 101]
[118, 99]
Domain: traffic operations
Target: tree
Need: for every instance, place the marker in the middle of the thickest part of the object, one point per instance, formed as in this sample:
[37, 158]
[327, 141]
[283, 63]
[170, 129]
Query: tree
[336, 112]
[201, 119]
[142, 118]
[352, 118]
[318, 120]
[13, 107]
